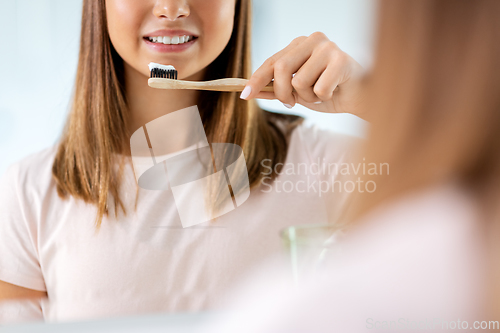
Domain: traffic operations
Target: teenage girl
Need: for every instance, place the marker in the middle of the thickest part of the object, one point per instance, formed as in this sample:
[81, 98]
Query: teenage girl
[80, 240]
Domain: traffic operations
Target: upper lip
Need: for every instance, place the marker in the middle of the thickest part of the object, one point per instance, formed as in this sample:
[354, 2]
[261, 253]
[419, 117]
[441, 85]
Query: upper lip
[170, 33]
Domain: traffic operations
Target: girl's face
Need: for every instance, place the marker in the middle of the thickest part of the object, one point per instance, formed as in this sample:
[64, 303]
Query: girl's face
[133, 23]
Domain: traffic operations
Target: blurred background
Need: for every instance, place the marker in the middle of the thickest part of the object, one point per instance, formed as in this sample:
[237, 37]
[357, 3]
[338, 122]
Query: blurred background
[39, 49]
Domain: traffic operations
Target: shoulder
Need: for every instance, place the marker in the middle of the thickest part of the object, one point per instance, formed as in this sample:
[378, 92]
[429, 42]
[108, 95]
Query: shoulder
[318, 141]
[313, 134]
[283, 124]
[422, 251]
[31, 172]
[418, 255]
[446, 209]
[34, 164]
[323, 143]
[429, 236]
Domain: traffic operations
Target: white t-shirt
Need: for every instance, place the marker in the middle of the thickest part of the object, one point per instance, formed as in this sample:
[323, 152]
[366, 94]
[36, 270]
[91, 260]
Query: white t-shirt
[146, 261]
[417, 264]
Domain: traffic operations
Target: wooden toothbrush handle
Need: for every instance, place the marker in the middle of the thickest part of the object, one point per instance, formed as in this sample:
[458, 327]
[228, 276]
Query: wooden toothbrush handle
[230, 84]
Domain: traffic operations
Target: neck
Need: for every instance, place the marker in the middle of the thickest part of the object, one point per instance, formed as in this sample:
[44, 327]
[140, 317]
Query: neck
[146, 104]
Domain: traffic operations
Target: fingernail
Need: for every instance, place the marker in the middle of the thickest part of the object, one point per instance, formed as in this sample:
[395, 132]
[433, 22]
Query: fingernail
[318, 102]
[287, 105]
[246, 92]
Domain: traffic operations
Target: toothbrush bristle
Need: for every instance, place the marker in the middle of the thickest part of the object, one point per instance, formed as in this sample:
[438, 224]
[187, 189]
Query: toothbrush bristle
[162, 71]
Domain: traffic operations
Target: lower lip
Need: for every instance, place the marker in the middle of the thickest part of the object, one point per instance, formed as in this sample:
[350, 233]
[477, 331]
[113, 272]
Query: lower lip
[166, 48]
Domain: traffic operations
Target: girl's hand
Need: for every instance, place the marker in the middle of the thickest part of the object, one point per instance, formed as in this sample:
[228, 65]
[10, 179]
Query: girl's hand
[326, 78]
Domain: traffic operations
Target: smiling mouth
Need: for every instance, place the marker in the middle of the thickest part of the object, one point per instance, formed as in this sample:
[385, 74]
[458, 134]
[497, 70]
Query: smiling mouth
[171, 40]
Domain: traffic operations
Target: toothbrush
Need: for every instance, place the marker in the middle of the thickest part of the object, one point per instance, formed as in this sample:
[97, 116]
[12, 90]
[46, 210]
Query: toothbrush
[165, 77]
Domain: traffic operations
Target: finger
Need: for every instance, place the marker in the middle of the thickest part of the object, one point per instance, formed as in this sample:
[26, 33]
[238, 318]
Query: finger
[265, 73]
[304, 80]
[328, 82]
[292, 61]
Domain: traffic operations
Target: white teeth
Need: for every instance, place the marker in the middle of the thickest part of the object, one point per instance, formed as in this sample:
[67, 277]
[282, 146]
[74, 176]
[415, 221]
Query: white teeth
[171, 40]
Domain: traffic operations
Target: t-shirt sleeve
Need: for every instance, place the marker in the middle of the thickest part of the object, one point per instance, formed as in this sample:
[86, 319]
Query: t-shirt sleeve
[19, 260]
[21, 311]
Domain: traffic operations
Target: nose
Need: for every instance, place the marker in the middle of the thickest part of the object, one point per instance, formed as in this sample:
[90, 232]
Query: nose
[171, 9]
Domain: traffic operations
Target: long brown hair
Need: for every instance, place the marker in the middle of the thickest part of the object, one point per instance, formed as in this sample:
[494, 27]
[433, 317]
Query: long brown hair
[434, 96]
[96, 128]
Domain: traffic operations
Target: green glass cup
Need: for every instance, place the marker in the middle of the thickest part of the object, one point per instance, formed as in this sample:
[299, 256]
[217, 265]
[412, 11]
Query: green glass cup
[309, 247]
